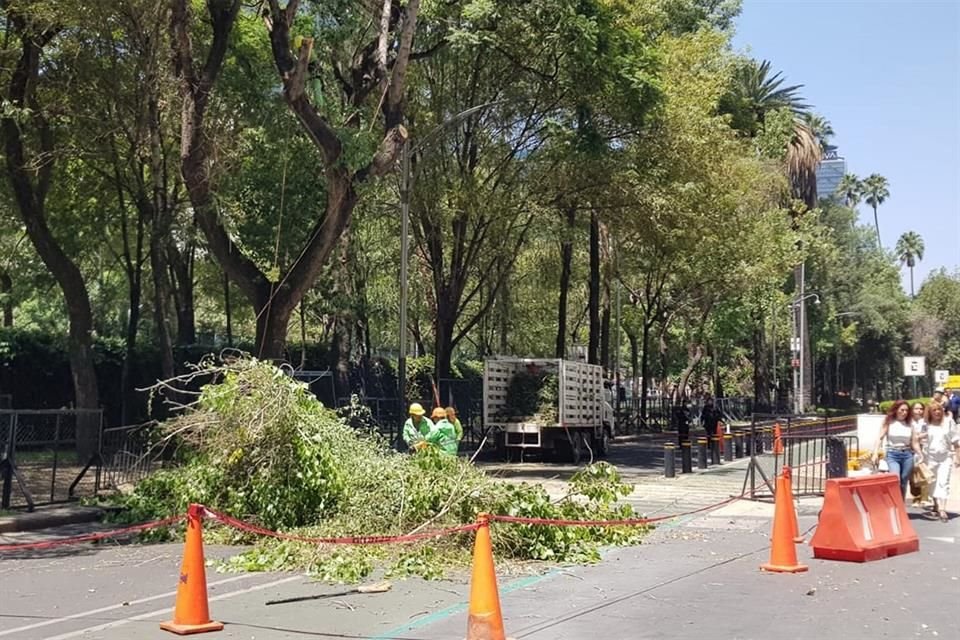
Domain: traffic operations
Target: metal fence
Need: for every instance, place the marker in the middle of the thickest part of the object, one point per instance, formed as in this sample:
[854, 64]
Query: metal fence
[49, 455]
[6, 401]
[126, 456]
[814, 448]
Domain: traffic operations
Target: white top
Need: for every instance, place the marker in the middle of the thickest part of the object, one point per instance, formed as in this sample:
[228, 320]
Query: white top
[919, 426]
[899, 435]
[942, 437]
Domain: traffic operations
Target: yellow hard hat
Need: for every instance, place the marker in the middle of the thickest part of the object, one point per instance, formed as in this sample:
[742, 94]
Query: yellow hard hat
[416, 409]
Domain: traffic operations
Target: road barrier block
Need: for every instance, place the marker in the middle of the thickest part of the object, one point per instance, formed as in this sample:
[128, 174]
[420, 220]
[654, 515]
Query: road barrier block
[863, 519]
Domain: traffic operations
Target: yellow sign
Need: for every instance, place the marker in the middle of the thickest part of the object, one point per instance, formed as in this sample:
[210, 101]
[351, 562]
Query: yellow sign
[953, 382]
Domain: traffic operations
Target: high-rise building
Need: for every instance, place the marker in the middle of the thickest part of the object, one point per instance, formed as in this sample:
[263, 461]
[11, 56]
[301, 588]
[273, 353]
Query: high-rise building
[832, 169]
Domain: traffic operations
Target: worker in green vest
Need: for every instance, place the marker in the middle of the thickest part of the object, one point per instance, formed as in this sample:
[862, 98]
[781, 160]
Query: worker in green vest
[417, 429]
[444, 434]
[455, 421]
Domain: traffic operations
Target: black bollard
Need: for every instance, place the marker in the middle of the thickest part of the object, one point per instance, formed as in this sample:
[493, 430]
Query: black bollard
[715, 451]
[701, 453]
[728, 448]
[738, 444]
[686, 457]
[669, 460]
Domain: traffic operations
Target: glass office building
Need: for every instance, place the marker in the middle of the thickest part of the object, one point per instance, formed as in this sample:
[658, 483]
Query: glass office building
[831, 171]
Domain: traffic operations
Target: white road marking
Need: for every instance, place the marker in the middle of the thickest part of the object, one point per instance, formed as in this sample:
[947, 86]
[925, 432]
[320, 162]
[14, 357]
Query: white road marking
[950, 539]
[144, 616]
[93, 612]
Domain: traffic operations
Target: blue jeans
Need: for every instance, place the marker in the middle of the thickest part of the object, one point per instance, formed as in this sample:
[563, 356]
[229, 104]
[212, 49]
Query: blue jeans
[901, 464]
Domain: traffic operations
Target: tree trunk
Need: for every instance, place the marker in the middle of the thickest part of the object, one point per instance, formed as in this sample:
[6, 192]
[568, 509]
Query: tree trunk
[876, 223]
[273, 318]
[228, 308]
[181, 264]
[566, 269]
[126, 372]
[593, 347]
[443, 356]
[504, 317]
[912, 294]
[30, 179]
[644, 368]
[605, 339]
[161, 296]
[6, 291]
[634, 362]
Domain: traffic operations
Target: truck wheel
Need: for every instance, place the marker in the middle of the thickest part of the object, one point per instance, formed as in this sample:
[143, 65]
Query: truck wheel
[603, 443]
[577, 447]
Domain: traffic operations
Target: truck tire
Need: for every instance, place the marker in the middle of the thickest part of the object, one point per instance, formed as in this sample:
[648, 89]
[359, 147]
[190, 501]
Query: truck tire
[602, 444]
[574, 448]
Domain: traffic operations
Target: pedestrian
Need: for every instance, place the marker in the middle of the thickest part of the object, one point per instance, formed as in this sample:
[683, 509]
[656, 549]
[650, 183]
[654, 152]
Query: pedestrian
[939, 398]
[417, 428]
[953, 404]
[444, 434]
[901, 443]
[942, 437]
[918, 423]
[709, 417]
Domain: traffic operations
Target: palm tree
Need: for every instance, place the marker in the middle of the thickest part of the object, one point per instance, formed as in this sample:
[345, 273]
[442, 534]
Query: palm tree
[820, 127]
[754, 93]
[910, 251]
[876, 191]
[851, 190]
[803, 158]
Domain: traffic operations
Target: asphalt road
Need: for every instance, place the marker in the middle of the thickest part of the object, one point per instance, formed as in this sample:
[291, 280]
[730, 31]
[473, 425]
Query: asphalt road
[693, 578]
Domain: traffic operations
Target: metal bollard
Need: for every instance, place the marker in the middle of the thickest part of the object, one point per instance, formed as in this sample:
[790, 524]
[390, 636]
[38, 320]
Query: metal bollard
[728, 448]
[686, 457]
[701, 453]
[669, 461]
[738, 444]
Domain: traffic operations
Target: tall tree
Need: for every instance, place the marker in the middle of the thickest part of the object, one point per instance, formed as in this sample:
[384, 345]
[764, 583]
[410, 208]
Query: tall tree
[850, 189]
[369, 71]
[30, 147]
[876, 190]
[909, 250]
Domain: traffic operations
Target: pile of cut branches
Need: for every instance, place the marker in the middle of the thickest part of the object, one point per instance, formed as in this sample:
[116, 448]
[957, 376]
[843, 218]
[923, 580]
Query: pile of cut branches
[257, 445]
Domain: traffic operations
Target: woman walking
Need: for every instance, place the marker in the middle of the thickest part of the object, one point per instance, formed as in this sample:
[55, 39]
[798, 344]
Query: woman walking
[942, 437]
[901, 441]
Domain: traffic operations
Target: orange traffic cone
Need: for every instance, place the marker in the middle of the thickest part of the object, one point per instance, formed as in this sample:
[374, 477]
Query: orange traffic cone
[777, 440]
[787, 480]
[192, 612]
[484, 622]
[783, 552]
[719, 436]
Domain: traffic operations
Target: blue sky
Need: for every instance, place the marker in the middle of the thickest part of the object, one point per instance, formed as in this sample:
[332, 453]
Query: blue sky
[886, 74]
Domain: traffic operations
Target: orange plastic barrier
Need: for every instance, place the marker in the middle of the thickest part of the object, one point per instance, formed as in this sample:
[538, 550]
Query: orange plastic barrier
[777, 441]
[863, 519]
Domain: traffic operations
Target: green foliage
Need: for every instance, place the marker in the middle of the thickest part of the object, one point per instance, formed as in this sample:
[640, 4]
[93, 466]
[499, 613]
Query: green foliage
[259, 447]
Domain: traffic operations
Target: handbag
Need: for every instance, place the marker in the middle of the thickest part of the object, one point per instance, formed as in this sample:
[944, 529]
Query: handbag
[920, 477]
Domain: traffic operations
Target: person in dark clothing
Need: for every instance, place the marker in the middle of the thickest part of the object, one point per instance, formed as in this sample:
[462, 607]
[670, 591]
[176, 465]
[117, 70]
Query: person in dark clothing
[681, 422]
[709, 417]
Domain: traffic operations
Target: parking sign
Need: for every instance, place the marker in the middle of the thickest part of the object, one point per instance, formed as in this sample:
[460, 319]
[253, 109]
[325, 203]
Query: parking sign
[941, 375]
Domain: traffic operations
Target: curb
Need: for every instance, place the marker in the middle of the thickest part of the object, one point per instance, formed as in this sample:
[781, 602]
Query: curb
[46, 517]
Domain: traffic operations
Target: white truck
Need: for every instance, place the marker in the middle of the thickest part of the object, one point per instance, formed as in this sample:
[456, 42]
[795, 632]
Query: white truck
[573, 417]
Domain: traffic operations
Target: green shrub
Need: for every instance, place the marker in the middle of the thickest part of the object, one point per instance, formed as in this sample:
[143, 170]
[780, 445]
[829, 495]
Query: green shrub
[886, 404]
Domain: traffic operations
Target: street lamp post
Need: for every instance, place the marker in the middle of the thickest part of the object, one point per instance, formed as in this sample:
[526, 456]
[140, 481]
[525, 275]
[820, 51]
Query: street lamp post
[796, 348]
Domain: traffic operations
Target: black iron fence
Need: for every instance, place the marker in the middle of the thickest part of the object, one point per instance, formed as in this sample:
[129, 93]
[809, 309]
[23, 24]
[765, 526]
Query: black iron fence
[49, 455]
